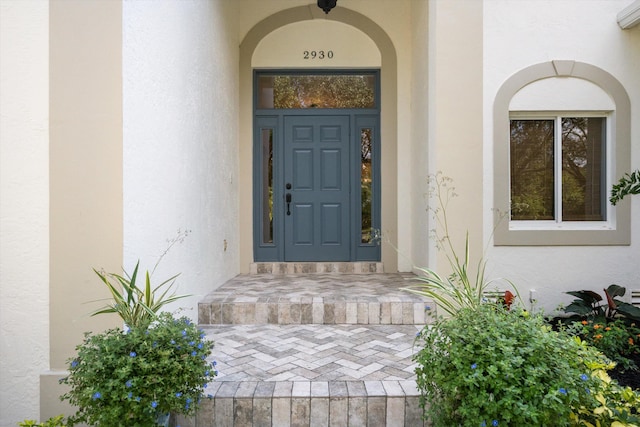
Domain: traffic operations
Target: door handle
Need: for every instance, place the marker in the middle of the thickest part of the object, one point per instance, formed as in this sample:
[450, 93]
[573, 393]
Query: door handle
[287, 198]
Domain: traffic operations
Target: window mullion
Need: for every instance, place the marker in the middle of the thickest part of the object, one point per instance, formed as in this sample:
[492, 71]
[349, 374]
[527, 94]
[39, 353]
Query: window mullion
[557, 147]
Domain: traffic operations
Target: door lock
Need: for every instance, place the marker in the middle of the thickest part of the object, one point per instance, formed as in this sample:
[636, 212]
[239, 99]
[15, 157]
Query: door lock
[287, 198]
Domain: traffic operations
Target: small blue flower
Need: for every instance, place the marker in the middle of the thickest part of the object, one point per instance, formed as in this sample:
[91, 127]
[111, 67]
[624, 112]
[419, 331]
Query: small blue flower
[74, 363]
[194, 353]
[494, 423]
[192, 343]
[130, 395]
[563, 390]
[184, 332]
[173, 341]
[204, 385]
[474, 366]
[128, 384]
[427, 307]
[133, 354]
[178, 394]
[189, 400]
[483, 424]
[187, 321]
[584, 377]
[203, 356]
[200, 346]
[214, 363]
[155, 344]
[96, 395]
[154, 404]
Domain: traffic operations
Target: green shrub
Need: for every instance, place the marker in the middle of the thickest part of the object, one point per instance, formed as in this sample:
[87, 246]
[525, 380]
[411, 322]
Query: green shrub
[133, 377]
[57, 421]
[488, 366]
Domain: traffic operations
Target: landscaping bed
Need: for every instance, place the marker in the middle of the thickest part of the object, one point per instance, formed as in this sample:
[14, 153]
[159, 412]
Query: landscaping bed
[630, 377]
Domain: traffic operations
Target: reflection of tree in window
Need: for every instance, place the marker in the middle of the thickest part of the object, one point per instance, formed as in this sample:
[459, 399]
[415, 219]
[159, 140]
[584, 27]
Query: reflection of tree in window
[581, 168]
[365, 183]
[533, 177]
[532, 192]
[267, 185]
[317, 91]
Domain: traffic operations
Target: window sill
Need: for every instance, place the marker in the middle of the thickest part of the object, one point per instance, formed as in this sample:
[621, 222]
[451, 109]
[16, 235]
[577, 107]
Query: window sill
[561, 235]
[560, 226]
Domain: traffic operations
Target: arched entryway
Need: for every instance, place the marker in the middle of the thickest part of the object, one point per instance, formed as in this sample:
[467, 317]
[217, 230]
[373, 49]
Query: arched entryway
[387, 123]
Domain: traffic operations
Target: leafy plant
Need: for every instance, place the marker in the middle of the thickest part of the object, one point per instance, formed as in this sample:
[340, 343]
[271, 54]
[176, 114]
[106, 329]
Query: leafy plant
[591, 305]
[139, 306]
[465, 287]
[616, 406]
[132, 377]
[617, 339]
[491, 366]
[57, 421]
[136, 306]
[627, 185]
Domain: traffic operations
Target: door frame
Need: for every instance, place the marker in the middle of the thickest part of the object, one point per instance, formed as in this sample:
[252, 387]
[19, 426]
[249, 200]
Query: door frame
[272, 121]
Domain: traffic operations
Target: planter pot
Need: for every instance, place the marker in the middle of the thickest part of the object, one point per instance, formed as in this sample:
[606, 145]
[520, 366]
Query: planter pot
[163, 420]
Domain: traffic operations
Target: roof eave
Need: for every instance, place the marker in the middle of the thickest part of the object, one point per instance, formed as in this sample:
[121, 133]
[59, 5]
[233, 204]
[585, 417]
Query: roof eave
[629, 16]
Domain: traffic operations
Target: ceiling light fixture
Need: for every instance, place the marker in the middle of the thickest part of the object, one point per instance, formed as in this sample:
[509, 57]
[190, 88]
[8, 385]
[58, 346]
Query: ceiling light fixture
[327, 5]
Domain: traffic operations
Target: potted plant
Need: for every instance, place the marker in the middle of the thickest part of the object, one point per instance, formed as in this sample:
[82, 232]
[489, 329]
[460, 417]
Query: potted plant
[157, 365]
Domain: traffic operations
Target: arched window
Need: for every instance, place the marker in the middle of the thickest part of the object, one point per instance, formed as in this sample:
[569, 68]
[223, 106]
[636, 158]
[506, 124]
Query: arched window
[562, 136]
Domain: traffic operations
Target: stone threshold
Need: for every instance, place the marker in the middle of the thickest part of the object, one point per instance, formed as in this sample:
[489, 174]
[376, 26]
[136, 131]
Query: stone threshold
[315, 267]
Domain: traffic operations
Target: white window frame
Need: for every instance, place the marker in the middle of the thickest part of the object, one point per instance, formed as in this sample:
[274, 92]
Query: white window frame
[558, 223]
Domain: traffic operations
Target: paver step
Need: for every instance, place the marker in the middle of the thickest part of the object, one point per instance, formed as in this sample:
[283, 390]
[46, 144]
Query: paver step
[317, 298]
[310, 403]
[319, 349]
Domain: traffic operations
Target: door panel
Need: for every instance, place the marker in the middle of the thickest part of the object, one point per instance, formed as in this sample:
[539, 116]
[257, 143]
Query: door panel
[316, 164]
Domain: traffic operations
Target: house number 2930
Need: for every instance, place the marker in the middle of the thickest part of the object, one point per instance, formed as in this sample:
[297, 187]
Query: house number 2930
[317, 54]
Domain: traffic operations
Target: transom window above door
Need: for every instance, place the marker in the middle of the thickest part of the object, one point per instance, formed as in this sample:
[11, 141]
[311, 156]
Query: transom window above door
[301, 90]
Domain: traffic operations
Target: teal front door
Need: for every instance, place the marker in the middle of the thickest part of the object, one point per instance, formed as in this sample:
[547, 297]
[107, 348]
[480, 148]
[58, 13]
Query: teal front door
[316, 188]
[316, 166]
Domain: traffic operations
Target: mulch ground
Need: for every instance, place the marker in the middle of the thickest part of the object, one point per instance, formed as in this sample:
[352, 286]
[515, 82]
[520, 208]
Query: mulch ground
[629, 377]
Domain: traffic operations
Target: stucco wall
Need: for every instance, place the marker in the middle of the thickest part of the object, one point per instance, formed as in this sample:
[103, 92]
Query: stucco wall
[590, 34]
[420, 107]
[180, 95]
[24, 210]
